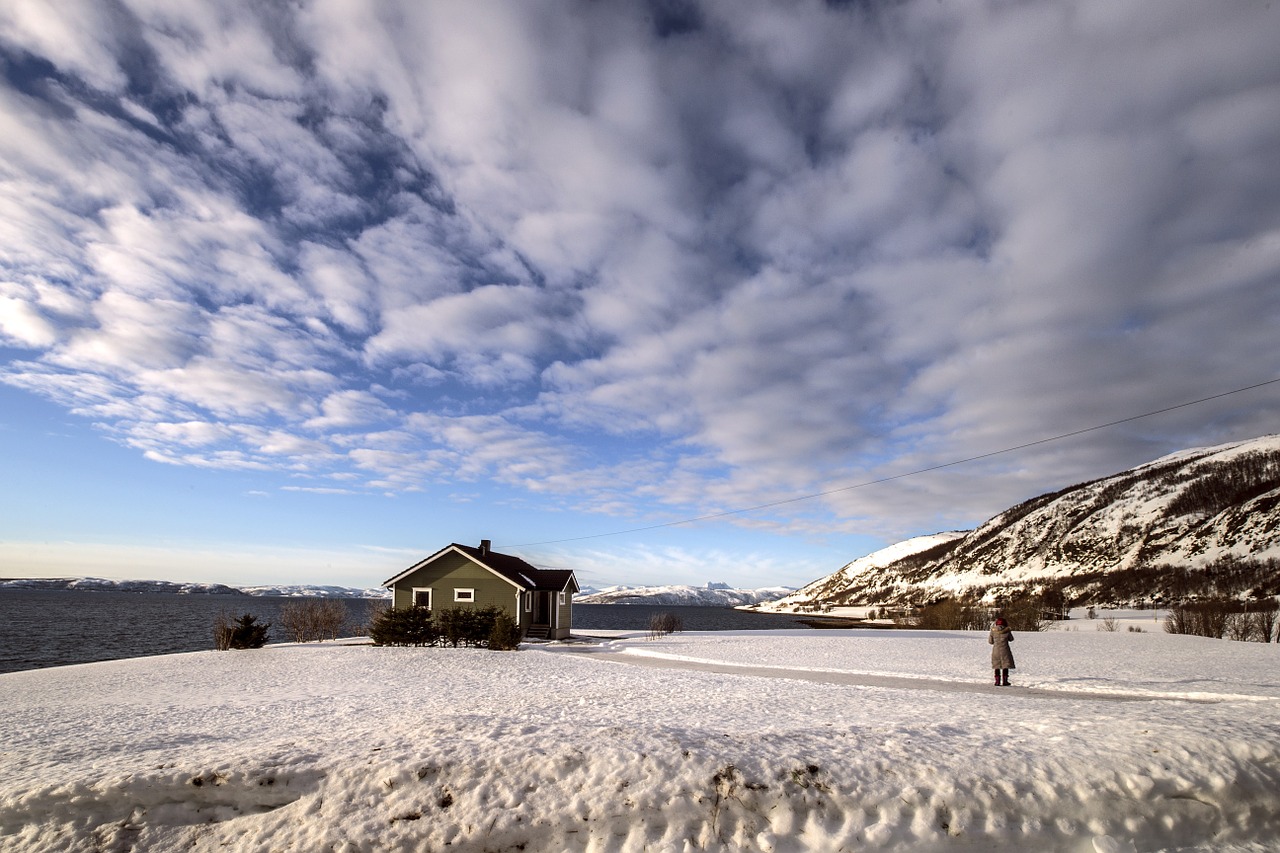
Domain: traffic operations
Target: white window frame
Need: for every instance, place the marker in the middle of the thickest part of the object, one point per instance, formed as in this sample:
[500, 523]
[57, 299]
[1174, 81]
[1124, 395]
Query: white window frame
[413, 595]
[562, 598]
[464, 595]
[528, 602]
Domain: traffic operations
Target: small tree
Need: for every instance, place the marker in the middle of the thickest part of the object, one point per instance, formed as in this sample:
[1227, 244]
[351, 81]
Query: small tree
[247, 634]
[505, 635]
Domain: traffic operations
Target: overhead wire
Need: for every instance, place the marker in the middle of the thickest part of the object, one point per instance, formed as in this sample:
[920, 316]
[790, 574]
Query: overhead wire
[914, 473]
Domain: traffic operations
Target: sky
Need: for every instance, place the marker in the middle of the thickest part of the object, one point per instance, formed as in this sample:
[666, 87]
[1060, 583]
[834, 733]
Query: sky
[302, 292]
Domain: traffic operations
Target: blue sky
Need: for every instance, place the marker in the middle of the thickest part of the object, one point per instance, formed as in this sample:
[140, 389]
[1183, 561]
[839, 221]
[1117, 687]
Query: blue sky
[303, 292]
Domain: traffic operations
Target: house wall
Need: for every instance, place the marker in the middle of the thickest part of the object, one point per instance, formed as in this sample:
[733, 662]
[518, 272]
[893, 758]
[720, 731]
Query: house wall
[564, 617]
[451, 571]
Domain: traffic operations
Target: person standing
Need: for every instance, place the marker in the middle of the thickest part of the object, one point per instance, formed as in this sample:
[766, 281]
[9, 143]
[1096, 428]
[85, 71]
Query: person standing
[1001, 655]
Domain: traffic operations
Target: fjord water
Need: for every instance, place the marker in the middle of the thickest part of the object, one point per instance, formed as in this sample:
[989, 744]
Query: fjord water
[41, 628]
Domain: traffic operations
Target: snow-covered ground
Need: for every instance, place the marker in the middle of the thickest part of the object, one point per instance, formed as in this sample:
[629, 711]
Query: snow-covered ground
[785, 741]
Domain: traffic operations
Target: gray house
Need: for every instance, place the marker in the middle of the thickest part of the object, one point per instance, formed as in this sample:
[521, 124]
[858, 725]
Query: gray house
[541, 600]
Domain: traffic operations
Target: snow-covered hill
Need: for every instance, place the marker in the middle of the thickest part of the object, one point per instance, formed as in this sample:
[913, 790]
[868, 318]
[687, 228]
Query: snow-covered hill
[828, 588]
[712, 595]
[280, 590]
[1202, 521]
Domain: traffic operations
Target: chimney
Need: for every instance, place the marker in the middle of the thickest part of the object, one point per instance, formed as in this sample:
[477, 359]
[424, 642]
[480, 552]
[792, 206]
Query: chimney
[484, 547]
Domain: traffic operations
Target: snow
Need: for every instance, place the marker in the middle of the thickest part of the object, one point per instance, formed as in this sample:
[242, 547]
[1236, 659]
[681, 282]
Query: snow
[771, 741]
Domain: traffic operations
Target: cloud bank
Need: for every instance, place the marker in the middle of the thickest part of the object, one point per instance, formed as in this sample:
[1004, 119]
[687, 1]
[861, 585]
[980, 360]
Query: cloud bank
[652, 259]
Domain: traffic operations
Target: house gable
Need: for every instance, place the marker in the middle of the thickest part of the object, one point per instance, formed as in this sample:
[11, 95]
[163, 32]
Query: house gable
[448, 571]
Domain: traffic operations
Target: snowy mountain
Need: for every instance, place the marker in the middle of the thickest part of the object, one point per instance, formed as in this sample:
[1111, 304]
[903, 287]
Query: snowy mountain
[279, 590]
[712, 595]
[828, 589]
[1202, 521]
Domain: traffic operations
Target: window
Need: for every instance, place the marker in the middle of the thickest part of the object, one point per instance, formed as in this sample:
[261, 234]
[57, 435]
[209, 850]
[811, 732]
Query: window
[422, 596]
[562, 599]
[464, 595]
[528, 602]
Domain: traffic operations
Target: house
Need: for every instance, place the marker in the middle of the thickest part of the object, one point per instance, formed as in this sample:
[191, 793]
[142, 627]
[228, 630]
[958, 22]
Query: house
[541, 600]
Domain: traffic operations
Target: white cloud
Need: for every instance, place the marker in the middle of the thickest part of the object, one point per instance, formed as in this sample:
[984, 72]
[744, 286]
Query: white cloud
[344, 409]
[23, 324]
[542, 245]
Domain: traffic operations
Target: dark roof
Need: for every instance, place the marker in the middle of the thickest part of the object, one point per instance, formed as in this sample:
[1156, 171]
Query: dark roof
[512, 568]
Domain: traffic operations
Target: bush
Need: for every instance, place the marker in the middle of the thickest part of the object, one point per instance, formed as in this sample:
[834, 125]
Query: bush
[505, 635]
[661, 624]
[313, 619]
[454, 626]
[407, 626]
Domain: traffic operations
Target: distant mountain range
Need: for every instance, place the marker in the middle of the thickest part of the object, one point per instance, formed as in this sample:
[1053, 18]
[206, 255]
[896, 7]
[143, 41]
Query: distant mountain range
[105, 584]
[1199, 522]
[712, 595]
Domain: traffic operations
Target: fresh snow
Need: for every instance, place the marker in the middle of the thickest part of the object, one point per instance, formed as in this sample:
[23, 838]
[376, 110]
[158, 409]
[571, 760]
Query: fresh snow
[773, 741]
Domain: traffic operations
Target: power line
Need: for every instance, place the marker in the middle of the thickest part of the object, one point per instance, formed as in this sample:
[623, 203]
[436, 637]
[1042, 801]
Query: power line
[938, 467]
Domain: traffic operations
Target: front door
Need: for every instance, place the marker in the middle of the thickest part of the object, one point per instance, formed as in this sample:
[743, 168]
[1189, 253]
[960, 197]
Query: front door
[542, 608]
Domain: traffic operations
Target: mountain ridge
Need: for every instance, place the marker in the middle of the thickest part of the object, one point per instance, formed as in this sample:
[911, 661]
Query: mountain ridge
[712, 595]
[193, 588]
[1201, 521]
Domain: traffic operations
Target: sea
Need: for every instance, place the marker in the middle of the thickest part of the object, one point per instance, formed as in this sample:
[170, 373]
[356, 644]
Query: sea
[42, 627]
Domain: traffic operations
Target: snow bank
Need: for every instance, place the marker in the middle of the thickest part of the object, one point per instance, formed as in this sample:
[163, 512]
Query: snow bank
[563, 748]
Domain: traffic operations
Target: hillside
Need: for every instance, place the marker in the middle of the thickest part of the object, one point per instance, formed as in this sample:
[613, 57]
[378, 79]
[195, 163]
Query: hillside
[1199, 522]
[712, 595]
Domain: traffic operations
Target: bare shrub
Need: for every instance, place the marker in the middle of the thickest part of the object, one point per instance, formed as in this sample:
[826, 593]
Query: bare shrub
[1239, 627]
[222, 631]
[952, 615]
[1211, 617]
[1025, 613]
[1264, 622]
[661, 624]
[1109, 624]
[1177, 620]
[1136, 629]
[313, 619]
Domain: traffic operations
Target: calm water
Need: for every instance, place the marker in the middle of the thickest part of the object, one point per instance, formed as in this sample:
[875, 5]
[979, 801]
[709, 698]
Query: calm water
[40, 628]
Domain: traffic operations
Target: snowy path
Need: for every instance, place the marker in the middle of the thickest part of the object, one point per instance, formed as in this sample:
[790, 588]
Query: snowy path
[851, 679]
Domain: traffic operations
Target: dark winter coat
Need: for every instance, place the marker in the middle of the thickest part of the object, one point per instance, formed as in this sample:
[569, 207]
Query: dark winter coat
[1001, 656]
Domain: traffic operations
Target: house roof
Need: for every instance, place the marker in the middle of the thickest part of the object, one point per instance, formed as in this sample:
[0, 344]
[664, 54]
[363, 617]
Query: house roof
[514, 569]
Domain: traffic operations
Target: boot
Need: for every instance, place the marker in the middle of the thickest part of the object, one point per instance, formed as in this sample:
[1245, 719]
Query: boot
[1006, 678]
[998, 678]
